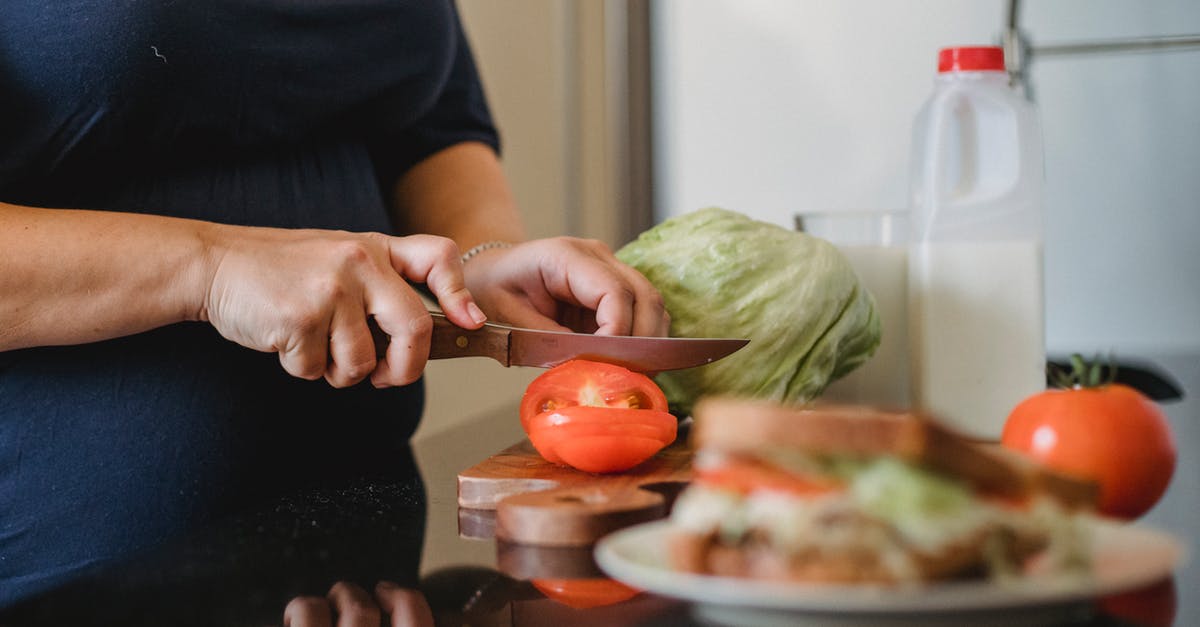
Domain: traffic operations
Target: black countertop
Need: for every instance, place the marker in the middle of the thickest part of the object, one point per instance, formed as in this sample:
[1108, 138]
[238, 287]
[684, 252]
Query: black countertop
[400, 522]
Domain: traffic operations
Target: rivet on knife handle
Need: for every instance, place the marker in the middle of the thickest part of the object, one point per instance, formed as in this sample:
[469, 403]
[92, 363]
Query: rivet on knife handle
[450, 341]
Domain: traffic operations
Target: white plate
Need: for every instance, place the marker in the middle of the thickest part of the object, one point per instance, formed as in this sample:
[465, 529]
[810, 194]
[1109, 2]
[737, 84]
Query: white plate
[1124, 557]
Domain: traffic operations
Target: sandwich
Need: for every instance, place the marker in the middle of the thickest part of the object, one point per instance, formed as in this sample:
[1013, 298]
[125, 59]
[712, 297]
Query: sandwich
[850, 494]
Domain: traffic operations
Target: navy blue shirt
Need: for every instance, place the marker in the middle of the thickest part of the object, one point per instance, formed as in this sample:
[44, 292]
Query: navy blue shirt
[287, 113]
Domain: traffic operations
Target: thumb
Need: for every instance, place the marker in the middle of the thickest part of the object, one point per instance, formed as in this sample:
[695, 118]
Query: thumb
[435, 262]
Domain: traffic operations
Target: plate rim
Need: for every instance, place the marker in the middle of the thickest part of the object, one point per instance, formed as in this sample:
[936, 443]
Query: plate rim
[1040, 591]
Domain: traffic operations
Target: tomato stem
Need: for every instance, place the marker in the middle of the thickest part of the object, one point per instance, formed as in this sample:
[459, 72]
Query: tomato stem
[1083, 373]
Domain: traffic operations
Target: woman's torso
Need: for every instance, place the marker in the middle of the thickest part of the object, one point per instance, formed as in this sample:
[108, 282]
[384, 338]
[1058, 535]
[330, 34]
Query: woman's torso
[258, 112]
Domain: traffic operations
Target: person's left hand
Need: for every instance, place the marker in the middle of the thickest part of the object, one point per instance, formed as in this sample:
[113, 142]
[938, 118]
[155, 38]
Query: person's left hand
[565, 284]
[355, 608]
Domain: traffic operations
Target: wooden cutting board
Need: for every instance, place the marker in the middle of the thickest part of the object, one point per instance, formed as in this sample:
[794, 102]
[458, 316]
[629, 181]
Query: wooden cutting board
[539, 503]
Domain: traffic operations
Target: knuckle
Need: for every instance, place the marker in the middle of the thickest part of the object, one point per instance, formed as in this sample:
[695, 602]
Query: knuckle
[326, 288]
[443, 247]
[421, 325]
[375, 238]
[353, 252]
[304, 322]
[596, 244]
[357, 371]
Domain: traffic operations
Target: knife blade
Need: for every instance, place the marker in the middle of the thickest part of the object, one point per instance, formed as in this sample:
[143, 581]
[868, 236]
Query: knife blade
[514, 346]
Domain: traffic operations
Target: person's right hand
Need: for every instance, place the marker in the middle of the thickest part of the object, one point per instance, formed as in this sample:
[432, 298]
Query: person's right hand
[307, 295]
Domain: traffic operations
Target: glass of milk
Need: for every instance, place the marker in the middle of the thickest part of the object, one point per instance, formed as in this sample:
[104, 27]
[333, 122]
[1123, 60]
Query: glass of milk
[876, 244]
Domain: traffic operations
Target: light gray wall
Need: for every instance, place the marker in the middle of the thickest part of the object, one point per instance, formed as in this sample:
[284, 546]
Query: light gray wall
[774, 107]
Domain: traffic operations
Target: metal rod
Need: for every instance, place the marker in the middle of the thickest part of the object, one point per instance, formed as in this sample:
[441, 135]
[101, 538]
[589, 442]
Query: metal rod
[1144, 44]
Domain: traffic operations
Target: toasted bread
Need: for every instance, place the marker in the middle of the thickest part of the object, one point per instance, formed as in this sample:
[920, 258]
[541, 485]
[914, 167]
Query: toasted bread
[738, 425]
[704, 554]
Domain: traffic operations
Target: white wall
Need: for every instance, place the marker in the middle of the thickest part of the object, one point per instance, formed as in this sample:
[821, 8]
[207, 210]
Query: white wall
[774, 107]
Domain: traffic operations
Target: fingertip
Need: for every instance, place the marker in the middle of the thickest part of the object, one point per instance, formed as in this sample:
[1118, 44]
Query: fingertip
[463, 316]
[462, 309]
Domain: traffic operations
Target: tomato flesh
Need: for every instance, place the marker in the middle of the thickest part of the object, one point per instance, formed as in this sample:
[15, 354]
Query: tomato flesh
[596, 417]
[607, 453]
[598, 439]
[591, 384]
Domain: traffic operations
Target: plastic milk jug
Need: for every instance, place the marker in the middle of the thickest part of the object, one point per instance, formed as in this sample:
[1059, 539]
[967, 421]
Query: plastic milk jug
[976, 312]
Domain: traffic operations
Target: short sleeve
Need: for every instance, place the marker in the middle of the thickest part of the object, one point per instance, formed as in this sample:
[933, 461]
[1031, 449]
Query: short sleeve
[460, 114]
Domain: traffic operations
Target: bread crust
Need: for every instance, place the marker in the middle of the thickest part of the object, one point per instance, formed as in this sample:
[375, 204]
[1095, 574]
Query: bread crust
[745, 426]
[705, 554]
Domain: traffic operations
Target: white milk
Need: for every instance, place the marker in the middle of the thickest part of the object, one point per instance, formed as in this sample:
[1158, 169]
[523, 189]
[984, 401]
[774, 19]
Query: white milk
[975, 323]
[883, 379]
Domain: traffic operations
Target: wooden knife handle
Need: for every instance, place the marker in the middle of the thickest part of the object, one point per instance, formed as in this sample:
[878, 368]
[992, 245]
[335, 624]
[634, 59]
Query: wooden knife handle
[450, 341]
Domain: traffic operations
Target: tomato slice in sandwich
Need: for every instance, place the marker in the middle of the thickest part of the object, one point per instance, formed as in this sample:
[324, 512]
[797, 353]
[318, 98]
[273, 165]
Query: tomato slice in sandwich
[745, 476]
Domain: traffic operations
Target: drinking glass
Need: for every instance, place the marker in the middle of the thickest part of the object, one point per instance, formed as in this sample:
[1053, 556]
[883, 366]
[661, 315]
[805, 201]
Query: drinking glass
[875, 243]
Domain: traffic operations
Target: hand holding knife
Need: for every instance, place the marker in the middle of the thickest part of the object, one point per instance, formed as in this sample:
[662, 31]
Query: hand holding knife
[515, 346]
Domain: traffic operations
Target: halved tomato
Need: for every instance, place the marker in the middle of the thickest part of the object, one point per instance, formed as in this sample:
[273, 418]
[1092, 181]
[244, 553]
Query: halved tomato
[592, 384]
[596, 417]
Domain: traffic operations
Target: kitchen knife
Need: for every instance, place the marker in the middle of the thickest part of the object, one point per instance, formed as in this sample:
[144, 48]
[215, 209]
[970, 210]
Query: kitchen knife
[514, 346]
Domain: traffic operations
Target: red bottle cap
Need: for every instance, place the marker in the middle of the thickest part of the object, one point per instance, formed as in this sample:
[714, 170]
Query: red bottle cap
[971, 59]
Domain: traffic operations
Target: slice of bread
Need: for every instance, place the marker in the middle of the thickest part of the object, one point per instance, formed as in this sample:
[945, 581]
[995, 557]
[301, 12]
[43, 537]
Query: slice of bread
[705, 554]
[742, 426]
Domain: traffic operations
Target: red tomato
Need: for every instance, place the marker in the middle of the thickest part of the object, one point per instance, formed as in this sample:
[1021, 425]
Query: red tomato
[746, 476]
[1110, 434]
[590, 383]
[585, 593]
[596, 417]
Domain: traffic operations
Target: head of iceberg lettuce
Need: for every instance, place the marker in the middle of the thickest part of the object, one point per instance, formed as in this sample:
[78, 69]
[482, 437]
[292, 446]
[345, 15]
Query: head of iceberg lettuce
[795, 297]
